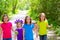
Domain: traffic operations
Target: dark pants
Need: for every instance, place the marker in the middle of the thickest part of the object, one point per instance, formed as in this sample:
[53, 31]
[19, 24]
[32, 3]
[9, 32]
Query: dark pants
[43, 37]
[29, 39]
[7, 38]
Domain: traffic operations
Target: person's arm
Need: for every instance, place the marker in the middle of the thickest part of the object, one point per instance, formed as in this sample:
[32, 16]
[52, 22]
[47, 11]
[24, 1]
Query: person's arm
[0, 33]
[23, 34]
[49, 26]
[15, 36]
[36, 33]
[36, 30]
[13, 29]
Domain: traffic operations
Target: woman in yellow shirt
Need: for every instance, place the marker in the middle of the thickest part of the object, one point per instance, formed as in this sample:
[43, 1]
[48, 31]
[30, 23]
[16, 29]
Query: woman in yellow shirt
[43, 24]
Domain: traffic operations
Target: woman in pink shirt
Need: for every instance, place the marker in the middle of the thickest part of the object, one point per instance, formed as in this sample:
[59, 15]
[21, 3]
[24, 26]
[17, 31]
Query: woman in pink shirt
[6, 28]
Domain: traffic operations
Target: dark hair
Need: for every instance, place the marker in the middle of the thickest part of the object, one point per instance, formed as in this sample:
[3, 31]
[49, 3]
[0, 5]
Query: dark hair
[40, 17]
[26, 19]
[4, 16]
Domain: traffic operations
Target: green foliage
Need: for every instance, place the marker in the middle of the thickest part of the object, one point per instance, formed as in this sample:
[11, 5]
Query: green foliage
[57, 31]
[8, 7]
[5, 7]
[50, 7]
[24, 4]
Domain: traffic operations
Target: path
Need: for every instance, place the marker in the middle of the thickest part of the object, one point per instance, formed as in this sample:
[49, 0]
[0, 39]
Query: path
[51, 35]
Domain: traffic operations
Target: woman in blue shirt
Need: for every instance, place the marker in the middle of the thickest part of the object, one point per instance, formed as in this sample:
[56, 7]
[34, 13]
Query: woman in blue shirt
[28, 26]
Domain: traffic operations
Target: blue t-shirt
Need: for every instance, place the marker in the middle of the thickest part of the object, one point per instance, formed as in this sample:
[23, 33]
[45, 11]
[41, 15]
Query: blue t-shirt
[28, 31]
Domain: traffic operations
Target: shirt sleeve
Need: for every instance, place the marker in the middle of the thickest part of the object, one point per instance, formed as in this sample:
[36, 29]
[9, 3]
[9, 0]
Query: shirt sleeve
[32, 26]
[46, 22]
[24, 26]
[11, 24]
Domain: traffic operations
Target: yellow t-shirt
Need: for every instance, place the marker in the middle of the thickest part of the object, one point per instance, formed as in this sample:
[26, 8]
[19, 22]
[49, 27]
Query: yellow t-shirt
[42, 27]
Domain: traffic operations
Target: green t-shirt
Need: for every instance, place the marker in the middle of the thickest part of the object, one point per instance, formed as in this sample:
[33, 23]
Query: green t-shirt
[42, 27]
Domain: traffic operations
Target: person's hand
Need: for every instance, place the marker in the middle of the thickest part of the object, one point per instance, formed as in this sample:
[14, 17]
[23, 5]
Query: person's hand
[16, 32]
[50, 25]
[14, 38]
[37, 35]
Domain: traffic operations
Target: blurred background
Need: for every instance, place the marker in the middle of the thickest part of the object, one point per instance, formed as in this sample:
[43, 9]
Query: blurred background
[18, 9]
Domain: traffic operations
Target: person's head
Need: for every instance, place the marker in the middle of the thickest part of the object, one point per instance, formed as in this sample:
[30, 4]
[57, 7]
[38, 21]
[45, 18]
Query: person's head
[42, 17]
[19, 23]
[27, 20]
[5, 18]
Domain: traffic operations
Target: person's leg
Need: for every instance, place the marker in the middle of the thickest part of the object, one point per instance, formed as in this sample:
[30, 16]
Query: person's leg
[29, 39]
[4, 39]
[41, 37]
[9, 39]
[45, 37]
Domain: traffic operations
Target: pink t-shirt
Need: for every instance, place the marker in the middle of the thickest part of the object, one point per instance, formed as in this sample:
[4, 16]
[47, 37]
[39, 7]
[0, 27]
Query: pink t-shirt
[6, 28]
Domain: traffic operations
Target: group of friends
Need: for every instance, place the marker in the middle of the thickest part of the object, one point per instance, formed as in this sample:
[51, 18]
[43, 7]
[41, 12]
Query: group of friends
[24, 32]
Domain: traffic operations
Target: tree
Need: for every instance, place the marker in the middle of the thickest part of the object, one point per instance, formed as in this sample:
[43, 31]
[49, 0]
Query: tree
[49, 7]
[8, 6]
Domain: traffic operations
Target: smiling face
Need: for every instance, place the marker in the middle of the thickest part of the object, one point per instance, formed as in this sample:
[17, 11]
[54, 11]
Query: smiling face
[5, 19]
[42, 17]
[27, 20]
[19, 25]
